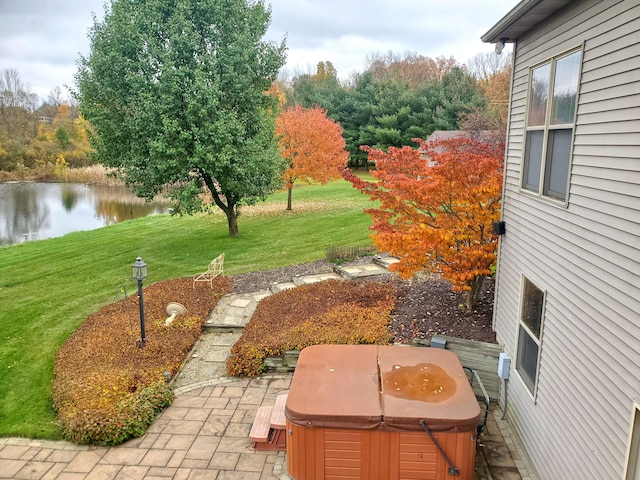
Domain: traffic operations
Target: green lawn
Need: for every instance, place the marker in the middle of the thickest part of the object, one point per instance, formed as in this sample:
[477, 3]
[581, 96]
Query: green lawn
[48, 287]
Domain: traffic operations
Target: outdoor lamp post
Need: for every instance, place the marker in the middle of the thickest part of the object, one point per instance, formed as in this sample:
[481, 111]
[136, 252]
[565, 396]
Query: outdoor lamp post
[139, 272]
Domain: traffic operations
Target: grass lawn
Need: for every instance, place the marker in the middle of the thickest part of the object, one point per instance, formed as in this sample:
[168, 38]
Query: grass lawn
[48, 287]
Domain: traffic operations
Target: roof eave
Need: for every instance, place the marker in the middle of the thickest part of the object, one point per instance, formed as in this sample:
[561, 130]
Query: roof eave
[497, 32]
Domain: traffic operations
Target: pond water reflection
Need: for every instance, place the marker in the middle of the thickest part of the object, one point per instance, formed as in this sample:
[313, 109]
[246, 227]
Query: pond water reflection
[34, 211]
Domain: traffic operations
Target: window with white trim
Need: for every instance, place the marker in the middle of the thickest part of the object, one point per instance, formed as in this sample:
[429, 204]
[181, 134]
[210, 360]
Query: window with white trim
[553, 94]
[530, 333]
[633, 464]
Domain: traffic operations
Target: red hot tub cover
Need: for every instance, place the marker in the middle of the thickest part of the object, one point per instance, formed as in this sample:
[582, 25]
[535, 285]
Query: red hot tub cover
[381, 387]
[448, 405]
[334, 386]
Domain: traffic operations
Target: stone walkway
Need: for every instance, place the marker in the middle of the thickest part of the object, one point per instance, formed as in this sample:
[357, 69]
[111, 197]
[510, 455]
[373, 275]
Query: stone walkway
[204, 433]
[224, 325]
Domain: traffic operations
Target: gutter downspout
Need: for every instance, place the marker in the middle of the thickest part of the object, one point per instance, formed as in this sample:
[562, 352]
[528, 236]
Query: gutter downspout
[504, 181]
[504, 190]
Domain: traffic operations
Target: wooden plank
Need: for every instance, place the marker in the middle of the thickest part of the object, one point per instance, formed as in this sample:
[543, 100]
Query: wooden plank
[480, 356]
[261, 425]
[471, 344]
[480, 362]
[278, 419]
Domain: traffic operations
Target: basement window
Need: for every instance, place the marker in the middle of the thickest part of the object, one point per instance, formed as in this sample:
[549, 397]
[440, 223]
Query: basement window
[633, 465]
[530, 333]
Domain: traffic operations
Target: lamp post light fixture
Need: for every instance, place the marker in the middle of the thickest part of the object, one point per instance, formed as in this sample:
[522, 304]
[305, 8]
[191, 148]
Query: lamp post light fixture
[139, 273]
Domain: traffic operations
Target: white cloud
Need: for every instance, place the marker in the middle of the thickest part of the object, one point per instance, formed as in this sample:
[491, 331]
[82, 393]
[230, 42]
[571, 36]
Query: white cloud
[43, 39]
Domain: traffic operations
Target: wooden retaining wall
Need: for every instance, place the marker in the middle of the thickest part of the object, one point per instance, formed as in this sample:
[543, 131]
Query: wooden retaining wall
[480, 356]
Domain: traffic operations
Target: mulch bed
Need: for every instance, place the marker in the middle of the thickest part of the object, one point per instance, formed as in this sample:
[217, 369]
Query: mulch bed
[429, 307]
[425, 306]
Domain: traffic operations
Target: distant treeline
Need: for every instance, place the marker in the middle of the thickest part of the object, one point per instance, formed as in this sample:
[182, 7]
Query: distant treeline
[397, 98]
[34, 134]
[401, 97]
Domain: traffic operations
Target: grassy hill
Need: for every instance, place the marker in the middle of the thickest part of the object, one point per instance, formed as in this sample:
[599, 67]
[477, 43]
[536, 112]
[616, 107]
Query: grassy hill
[48, 287]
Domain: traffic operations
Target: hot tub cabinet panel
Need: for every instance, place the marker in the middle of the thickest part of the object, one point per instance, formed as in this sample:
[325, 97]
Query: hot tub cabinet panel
[353, 412]
[329, 453]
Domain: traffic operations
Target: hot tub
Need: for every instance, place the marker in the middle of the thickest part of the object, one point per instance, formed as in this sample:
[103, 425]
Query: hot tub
[360, 411]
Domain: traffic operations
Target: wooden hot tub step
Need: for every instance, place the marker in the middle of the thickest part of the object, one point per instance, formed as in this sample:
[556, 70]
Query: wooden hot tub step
[261, 425]
[278, 419]
[277, 442]
[268, 431]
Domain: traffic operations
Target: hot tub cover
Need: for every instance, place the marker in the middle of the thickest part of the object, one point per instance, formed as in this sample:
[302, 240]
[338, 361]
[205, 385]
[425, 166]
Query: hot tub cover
[335, 386]
[381, 387]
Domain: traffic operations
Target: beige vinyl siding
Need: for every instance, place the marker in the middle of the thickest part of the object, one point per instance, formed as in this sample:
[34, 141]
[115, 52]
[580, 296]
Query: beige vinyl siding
[567, 391]
[585, 255]
[618, 110]
[628, 126]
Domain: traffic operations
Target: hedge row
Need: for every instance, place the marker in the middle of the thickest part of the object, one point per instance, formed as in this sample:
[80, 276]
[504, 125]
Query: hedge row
[107, 386]
[329, 312]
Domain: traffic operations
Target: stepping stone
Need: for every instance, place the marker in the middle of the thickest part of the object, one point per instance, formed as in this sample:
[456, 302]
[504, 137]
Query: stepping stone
[352, 270]
[373, 268]
[240, 302]
[320, 277]
[385, 261]
[279, 287]
[217, 354]
[222, 340]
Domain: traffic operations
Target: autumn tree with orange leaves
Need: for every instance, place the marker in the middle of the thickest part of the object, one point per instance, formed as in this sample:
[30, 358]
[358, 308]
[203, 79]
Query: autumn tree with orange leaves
[313, 146]
[436, 209]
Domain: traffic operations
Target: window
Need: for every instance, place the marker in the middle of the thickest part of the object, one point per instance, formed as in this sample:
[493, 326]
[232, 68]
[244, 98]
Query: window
[553, 93]
[633, 465]
[529, 334]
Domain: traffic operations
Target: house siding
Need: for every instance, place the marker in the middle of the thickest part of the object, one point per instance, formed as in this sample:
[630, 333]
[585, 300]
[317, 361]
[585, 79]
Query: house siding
[585, 255]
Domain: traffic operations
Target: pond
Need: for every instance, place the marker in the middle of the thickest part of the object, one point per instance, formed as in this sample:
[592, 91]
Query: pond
[35, 211]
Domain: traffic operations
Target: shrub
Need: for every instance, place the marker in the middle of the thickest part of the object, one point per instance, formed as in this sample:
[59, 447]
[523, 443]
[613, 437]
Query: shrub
[333, 311]
[107, 388]
[112, 425]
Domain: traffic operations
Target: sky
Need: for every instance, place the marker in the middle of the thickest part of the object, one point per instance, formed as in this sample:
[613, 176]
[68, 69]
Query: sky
[43, 39]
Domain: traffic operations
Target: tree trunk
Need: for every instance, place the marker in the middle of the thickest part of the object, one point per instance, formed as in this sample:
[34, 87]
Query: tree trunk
[228, 208]
[472, 295]
[289, 190]
[232, 222]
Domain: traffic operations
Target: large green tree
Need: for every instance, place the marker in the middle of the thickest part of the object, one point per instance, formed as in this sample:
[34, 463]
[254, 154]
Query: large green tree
[175, 91]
